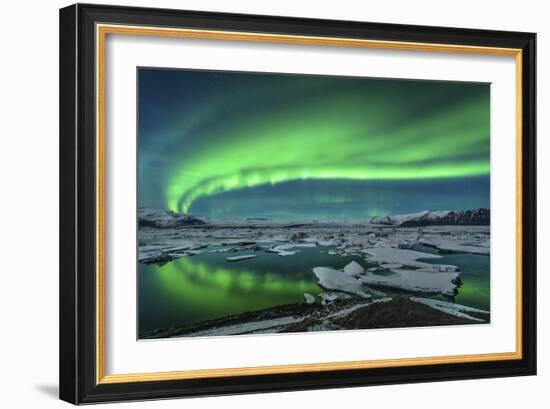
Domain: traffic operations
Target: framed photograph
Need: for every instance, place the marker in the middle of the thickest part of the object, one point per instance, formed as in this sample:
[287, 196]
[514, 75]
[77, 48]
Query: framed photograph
[257, 203]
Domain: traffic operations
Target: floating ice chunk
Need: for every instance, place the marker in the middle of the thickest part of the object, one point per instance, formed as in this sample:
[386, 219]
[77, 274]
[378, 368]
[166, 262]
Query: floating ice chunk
[453, 309]
[354, 269]
[185, 253]
[293, 245]
[150, 248]
[286, 249]
[239, 258]
[328, 297]
[416, 280]
[385, 255]
[284, 253]
[332, 279]
[310, 299]
[457, 244]
[392, 255]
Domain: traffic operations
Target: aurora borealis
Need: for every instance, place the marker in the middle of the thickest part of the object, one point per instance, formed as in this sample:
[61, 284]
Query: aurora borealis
[227, 144]
[283, 171]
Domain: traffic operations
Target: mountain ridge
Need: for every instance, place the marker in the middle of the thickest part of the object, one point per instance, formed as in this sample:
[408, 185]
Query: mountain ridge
[476, 217]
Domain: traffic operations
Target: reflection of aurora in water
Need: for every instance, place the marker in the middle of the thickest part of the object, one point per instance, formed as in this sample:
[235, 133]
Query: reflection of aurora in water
[203, 134]
[188, 290]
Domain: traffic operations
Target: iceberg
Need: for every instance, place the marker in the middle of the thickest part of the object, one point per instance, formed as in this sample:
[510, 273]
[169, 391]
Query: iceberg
[332, 279]
[354, 269]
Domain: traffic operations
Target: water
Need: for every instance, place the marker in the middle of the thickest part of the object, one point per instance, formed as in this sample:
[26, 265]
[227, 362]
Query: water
[475, 275]
[206, 286]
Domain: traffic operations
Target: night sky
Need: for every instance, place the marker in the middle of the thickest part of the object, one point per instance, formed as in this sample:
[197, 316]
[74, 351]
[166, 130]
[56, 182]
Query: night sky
[233, 145]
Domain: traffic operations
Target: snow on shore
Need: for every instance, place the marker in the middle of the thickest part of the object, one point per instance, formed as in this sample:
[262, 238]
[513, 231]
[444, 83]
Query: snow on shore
[450, 308]
[248, 327]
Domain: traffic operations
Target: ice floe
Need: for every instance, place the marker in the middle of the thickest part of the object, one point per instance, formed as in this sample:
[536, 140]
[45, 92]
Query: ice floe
[475, 244]
[394, 256]
[332, 279]
[353, 278]
[239, 258]
[286, 249]
[416, 281]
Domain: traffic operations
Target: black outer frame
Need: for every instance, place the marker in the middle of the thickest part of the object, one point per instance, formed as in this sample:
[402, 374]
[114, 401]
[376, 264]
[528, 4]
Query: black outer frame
[78, 204]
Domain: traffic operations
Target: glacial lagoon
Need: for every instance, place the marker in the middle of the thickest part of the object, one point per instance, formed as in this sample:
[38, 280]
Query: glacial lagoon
[206, 286]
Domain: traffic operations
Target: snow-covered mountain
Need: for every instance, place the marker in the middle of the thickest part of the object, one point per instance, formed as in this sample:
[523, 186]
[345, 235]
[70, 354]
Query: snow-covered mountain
[165, 219]
[478, 217]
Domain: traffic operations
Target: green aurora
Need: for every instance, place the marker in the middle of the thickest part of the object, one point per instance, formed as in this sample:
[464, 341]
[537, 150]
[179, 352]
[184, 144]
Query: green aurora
[208, 137]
